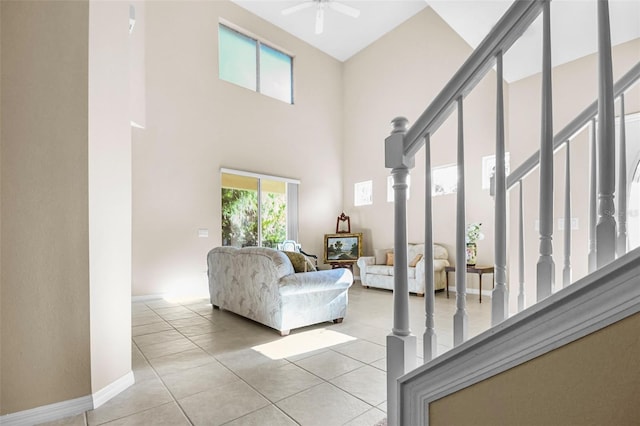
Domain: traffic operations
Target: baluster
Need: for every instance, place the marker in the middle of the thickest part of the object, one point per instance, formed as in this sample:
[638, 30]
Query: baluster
[460, 318]
[401, 344]
[593, 196]
[500, 294]
[566, 272]
[622, 184]
[521, 295]
[546, 268]
[606, 226]
[429, 339]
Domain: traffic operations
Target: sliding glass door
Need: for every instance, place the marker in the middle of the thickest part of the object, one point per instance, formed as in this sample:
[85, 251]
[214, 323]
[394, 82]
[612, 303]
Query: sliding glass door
[257, 210]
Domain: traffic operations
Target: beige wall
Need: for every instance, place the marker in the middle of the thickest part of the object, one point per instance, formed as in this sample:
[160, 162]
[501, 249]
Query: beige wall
[574, 88]
[197, 123]
[137, 80]
[45, 238]
[109, 192]
[592, 381]
[400, 74]
[66, 201]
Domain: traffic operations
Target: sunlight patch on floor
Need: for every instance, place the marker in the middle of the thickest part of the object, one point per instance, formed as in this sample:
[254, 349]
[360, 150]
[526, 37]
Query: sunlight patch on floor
[307, 341]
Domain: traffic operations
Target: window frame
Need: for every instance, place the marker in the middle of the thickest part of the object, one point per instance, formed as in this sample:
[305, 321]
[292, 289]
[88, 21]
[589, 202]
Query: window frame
[292, 221]
[258, 43]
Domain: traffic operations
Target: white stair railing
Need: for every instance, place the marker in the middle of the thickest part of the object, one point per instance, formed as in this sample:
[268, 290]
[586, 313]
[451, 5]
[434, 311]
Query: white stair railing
[606, 226]
[621, 241]
[545, 269]
[404, 142]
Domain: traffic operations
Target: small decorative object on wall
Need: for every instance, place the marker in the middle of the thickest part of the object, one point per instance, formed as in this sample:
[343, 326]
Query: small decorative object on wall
[342, 248]
[444, 180]
[473, 235]
[489, 169]
[343, 224]
[363, 193]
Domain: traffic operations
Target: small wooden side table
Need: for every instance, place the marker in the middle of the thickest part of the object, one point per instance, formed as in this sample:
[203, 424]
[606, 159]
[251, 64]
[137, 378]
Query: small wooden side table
[346, 265]
[473, 269]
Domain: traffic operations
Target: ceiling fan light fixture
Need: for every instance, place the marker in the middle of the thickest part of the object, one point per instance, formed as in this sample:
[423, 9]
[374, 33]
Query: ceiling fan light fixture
[296, 8]
[320, 8]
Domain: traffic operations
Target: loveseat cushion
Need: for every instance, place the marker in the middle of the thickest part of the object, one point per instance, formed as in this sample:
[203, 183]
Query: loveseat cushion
[388, 271]
[415, 260]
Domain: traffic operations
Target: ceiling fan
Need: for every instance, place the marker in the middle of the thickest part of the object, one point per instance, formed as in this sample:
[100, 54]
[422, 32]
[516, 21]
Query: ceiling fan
[320, 4]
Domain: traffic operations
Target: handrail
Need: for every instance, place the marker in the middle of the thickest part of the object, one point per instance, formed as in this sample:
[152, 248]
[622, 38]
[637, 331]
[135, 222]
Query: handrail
[502, 36]
[581, 120]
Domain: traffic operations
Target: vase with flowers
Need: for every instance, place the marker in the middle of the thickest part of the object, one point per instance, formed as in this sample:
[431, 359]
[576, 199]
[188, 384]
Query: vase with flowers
[473, 235]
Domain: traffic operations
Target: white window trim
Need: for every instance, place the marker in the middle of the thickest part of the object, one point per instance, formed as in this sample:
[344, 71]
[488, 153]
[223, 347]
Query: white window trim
[259, 175]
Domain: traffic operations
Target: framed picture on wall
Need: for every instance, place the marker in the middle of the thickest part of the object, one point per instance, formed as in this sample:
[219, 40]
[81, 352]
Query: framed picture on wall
[489, 169]
[342, 247]
[363, 193]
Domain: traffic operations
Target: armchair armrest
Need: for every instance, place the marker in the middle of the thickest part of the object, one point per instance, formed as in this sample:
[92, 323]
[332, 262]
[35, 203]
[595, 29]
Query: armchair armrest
[366, 260]
[439, 264]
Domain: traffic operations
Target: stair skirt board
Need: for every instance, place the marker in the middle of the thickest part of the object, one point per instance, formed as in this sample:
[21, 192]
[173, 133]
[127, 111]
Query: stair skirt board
[592, 303]
[71, 407]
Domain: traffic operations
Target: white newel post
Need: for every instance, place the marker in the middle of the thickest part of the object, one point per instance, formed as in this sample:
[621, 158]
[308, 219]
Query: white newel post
[460, 318]
[429, 338]
[545, 269]
[621, 246]
[606, 227]
[500, 294]
[401, 344]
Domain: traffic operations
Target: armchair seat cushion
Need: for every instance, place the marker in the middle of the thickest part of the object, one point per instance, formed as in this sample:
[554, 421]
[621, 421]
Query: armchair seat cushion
[381, 270]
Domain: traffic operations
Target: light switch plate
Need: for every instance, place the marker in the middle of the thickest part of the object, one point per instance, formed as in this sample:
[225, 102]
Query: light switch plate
[203, 233]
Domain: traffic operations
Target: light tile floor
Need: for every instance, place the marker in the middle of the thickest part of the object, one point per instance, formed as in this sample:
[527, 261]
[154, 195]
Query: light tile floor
[198, 366]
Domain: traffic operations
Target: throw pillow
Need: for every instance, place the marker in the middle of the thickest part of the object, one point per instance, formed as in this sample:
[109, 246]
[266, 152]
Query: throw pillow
[381, 256]
[390, 259]
[310, 266]
[300, 262]
[415, 261]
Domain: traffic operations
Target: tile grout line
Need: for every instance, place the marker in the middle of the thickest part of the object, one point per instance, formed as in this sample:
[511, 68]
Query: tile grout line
[223, 365]
[162, 381]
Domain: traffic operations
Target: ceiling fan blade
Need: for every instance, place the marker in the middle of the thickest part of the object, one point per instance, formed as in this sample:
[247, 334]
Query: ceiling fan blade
[297, 7]
[343, 8]
[320, 19]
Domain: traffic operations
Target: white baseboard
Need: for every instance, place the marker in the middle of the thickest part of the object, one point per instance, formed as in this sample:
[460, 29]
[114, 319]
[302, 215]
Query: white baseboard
[71, 407]
[112, 389]
[485, 293]
[48, 413]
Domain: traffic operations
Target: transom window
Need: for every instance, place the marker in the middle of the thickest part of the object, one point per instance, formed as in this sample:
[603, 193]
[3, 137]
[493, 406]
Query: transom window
[249, 62]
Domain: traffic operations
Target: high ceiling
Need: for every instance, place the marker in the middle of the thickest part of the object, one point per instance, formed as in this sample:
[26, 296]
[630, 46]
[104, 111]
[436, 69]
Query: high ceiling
[573, 26]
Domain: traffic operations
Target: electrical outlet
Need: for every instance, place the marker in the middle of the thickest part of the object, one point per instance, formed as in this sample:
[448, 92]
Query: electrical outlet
[203, 233]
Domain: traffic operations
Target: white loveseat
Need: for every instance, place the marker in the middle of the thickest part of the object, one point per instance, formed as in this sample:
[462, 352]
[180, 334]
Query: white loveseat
[374, 271]
[261, 284]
